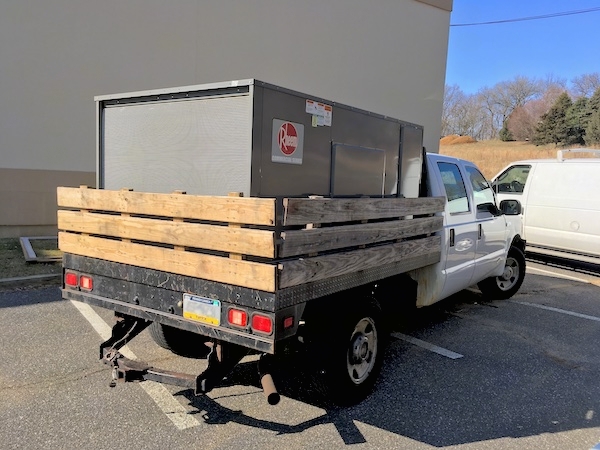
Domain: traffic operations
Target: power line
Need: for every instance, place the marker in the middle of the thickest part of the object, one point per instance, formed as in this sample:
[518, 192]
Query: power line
[521, 19]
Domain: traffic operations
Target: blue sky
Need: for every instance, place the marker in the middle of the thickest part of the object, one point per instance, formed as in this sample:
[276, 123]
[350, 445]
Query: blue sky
[483, 55]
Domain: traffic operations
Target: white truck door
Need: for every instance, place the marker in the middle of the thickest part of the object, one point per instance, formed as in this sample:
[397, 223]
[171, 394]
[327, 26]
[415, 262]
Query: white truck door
[491, 228]
[460, 229]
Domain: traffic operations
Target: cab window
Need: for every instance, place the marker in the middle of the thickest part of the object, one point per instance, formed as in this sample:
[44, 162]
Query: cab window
[455, 188]
[512, 180]
[482, 190]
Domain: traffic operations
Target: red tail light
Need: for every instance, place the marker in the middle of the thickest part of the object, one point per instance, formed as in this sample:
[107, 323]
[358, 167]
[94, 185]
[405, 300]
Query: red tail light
[86, 282]
[237, 317]
[70, 279]
[262, 324]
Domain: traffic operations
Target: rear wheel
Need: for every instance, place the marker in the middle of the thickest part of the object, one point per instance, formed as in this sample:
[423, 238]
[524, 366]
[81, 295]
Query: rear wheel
[355, 355]
[180, 342]
[507, 284]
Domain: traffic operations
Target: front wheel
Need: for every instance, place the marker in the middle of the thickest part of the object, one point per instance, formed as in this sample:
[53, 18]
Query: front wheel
[507, 284]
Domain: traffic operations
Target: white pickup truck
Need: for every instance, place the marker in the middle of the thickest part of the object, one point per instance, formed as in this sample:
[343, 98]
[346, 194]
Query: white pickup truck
[338, 320]
[343, 223]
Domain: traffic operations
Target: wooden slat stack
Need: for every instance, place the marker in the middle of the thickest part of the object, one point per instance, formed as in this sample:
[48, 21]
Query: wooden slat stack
[260, 243]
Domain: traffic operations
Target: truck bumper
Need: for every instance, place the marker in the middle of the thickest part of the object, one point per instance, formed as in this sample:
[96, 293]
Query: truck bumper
[259, 343]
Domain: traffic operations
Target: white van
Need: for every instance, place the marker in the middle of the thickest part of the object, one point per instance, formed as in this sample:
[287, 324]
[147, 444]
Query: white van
[560, 201]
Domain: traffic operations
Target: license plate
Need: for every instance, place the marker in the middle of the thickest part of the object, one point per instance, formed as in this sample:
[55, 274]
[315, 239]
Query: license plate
[201, 309]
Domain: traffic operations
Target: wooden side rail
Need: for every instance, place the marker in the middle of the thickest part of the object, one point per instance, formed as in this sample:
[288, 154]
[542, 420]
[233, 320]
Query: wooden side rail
[278, 243]
[251, 210]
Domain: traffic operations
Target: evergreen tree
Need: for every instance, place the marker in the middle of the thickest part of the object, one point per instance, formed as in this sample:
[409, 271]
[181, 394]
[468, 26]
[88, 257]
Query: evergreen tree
[577, 119]
[592, 125]
[592, 131]
[505, 135]
[594, 102]
[554, 127]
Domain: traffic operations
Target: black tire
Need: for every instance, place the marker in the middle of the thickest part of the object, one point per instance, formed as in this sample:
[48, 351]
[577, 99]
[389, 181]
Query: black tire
[180, 342]
[355, 353]
[507, 284]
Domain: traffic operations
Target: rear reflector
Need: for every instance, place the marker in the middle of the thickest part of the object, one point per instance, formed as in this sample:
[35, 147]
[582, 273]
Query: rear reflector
[262, 324]
[71, 279]
[86, 283]
[237, 317]
[288, 322]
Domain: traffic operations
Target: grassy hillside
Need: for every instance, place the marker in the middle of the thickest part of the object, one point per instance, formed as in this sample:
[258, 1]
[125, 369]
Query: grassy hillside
[493, 156]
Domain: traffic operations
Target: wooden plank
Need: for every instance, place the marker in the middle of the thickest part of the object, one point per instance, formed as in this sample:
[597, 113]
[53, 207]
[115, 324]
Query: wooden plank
[301, 211]
[246, 210]
[214, 268]
[236, 225]
[303, 242]
[185, 234]
[305, 270]
[179, 220]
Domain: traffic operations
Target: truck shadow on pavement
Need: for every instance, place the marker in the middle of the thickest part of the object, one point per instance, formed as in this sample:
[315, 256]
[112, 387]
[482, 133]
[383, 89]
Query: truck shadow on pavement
[436, 400]
[12, 296]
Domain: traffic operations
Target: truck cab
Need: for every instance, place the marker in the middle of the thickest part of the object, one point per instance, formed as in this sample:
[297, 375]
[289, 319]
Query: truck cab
[476, 235]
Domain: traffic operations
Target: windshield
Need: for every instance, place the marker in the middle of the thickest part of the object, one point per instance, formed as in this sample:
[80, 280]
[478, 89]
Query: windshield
[512, 179]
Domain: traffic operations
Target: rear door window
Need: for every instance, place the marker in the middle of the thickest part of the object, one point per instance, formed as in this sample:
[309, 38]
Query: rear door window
[482, 190]
[455, 188]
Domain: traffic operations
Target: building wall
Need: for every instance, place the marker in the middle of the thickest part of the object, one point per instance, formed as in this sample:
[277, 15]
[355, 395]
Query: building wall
[28, 199]
[387, 56]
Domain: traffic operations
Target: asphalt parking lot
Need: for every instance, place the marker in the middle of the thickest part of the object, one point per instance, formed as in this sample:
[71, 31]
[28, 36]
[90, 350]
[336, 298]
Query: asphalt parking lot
[464, 374]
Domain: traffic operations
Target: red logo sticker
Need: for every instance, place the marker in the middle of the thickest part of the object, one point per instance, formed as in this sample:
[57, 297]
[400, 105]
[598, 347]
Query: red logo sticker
[287, 138]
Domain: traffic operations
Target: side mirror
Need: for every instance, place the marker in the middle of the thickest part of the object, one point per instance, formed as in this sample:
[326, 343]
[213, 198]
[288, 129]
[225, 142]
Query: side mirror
[510, 207]
[489, 208]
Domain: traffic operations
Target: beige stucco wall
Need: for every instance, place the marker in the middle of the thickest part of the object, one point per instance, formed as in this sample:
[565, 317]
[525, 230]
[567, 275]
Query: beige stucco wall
[28, 199]
[387, 56]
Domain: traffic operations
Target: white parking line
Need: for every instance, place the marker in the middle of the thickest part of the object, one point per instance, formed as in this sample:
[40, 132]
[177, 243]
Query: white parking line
[426, 345]
[535, 270]
[558, 310]
[161, 396]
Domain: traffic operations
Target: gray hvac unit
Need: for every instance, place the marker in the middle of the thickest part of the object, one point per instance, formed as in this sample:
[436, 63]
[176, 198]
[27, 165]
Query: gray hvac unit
[252, 137]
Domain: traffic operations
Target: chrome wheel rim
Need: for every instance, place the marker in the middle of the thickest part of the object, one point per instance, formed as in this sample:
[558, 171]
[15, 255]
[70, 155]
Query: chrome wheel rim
[510, 277]
[362, 352]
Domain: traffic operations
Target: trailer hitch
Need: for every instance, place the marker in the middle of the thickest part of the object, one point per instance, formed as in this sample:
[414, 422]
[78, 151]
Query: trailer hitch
[126, 328]
[223, 357]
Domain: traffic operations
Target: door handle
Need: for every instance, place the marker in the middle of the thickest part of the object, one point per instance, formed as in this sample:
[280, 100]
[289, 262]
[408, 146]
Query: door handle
[480, 232]
[451, 237]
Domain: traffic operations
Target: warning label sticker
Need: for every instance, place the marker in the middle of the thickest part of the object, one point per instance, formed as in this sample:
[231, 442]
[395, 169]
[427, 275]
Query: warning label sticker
[287, 143]
[321, 113]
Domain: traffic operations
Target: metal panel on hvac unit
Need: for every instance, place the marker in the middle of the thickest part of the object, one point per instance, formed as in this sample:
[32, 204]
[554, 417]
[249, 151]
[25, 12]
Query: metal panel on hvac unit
[199, 142]
[342, 151]
[251, 137]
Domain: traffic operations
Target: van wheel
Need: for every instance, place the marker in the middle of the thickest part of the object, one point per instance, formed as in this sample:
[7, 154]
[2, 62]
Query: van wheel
[507, 284]
[355, 355]
[180, 342]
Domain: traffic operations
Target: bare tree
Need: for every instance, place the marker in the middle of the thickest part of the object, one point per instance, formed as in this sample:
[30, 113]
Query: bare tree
[486, 97]
[518, 104]
[461, 113]
[585, 85]
[501, 100]
[453, 97]
[523, 121]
